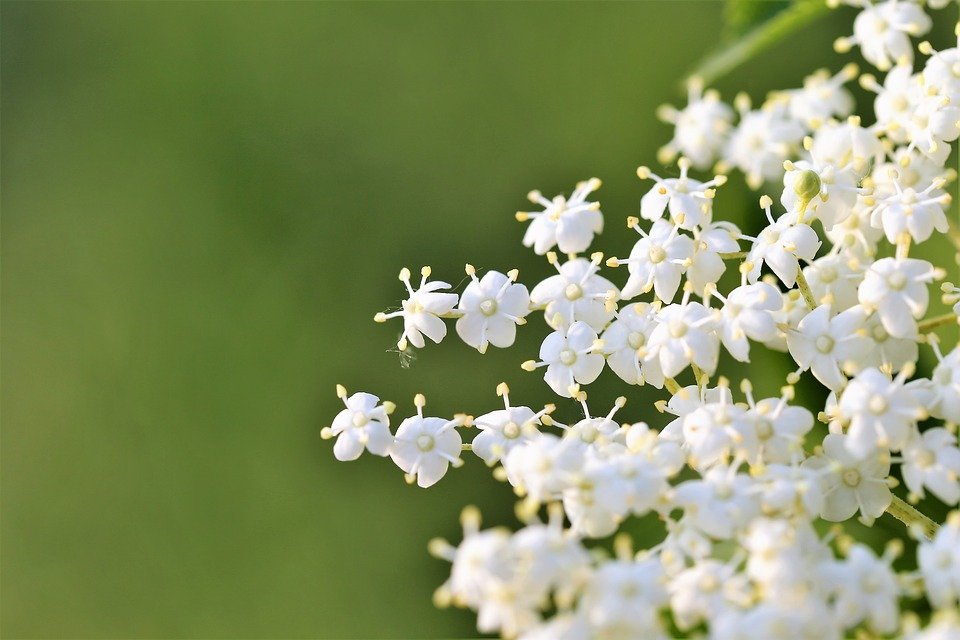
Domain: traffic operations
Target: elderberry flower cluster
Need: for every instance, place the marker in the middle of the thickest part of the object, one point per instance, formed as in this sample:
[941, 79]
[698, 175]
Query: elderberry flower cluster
[739, 482]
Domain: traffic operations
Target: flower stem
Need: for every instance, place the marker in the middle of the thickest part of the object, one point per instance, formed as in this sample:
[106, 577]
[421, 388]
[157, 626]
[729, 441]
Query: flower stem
[805, 291]
[671, 385]
[739, 255]
[912, 518]
[770, 32]
[937, 321]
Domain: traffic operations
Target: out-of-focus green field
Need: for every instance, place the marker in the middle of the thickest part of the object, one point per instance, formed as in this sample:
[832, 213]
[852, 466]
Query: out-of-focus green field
[204, 204]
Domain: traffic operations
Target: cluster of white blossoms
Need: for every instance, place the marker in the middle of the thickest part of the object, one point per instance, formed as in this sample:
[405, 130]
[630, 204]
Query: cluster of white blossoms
[740, 483]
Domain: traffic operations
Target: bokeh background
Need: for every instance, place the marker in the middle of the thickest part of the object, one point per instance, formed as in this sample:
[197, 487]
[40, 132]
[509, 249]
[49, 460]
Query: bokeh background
[204, 204]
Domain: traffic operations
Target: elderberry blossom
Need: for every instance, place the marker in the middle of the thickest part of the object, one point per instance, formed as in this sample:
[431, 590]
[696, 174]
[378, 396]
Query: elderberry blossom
[747, 312]
[570, 356]
[657, 261]
[850, 484]
[576, 294]
[685, 335]
[363, 424]
[502, 430]
[881, 412]
[939, 561]
[624, 344]
[689, 201]
[827, 345]
[739, 484]
[700, 128]
[914, 213]
[896, 288]
[491, 308]
[567, 224]
[422, 310]
[883, 31]
[931, 460]
[781, 245]
[425, 447]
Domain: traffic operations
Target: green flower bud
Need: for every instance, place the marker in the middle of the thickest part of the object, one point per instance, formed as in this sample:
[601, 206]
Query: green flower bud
[807, 187]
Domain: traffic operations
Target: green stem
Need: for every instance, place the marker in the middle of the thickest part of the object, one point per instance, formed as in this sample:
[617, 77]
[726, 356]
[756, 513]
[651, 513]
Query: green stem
[739, 255]
[805, 290]
[937, 321]
[761, 38]
[912, 518]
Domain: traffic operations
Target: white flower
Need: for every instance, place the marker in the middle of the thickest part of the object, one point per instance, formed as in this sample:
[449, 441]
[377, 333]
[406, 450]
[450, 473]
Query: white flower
[896, 100]
[626, 595]
[707, 264]
[881, 412]
[748, 313]
[763, 139]
[847, 144]
[568, 224]
[822, 97]
[851, 485]
[888, 351]
[687, 400]
[365, 423]
[855, 238]
[624, 344]
[425, 447]
[716, 432]
[705, 591]
[931, 459]
[720, 503]
[828, 192]
[940, 71]
[685, 334]
[656, 261]
[689, 201]
[491, 309]
[825, 345]
[542, 466]
[883, 32]
[422, 310]
[865, 588]
[939, 561]
[914, 213]
[897, 290]
[944, 386]
[570, 356]
[576, 293]
[780, 428]
[502, 430]
[781, 245]
[595, 499]
[833, 280]
[701, 127]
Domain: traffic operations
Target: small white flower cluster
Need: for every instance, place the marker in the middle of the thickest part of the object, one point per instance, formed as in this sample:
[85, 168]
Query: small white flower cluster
[738, 484]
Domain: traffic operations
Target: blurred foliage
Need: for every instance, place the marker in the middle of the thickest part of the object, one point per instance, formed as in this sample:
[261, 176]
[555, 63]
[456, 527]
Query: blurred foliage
[205, 204]
[740, 16]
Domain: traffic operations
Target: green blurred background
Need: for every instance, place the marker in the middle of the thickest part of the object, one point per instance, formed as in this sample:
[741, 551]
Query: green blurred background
[204, 204]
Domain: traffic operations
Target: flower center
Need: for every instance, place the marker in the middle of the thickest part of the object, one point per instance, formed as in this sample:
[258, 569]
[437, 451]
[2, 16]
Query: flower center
[828, 274]
[878, 404]
[425, 442]
[851, 477]
[511, 430]
[764, 429]
[568, 356]
[573, 292]
[636, 339]
[824, 344]
[360, 419]
[657, 254]
[678, 328]
[488, 307]
[896, 280]
[880, 334]
[924, 458]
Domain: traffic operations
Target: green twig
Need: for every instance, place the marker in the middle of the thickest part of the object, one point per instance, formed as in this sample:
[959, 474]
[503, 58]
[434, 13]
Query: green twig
[761, 38]
[912, 518]
[937, 321]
